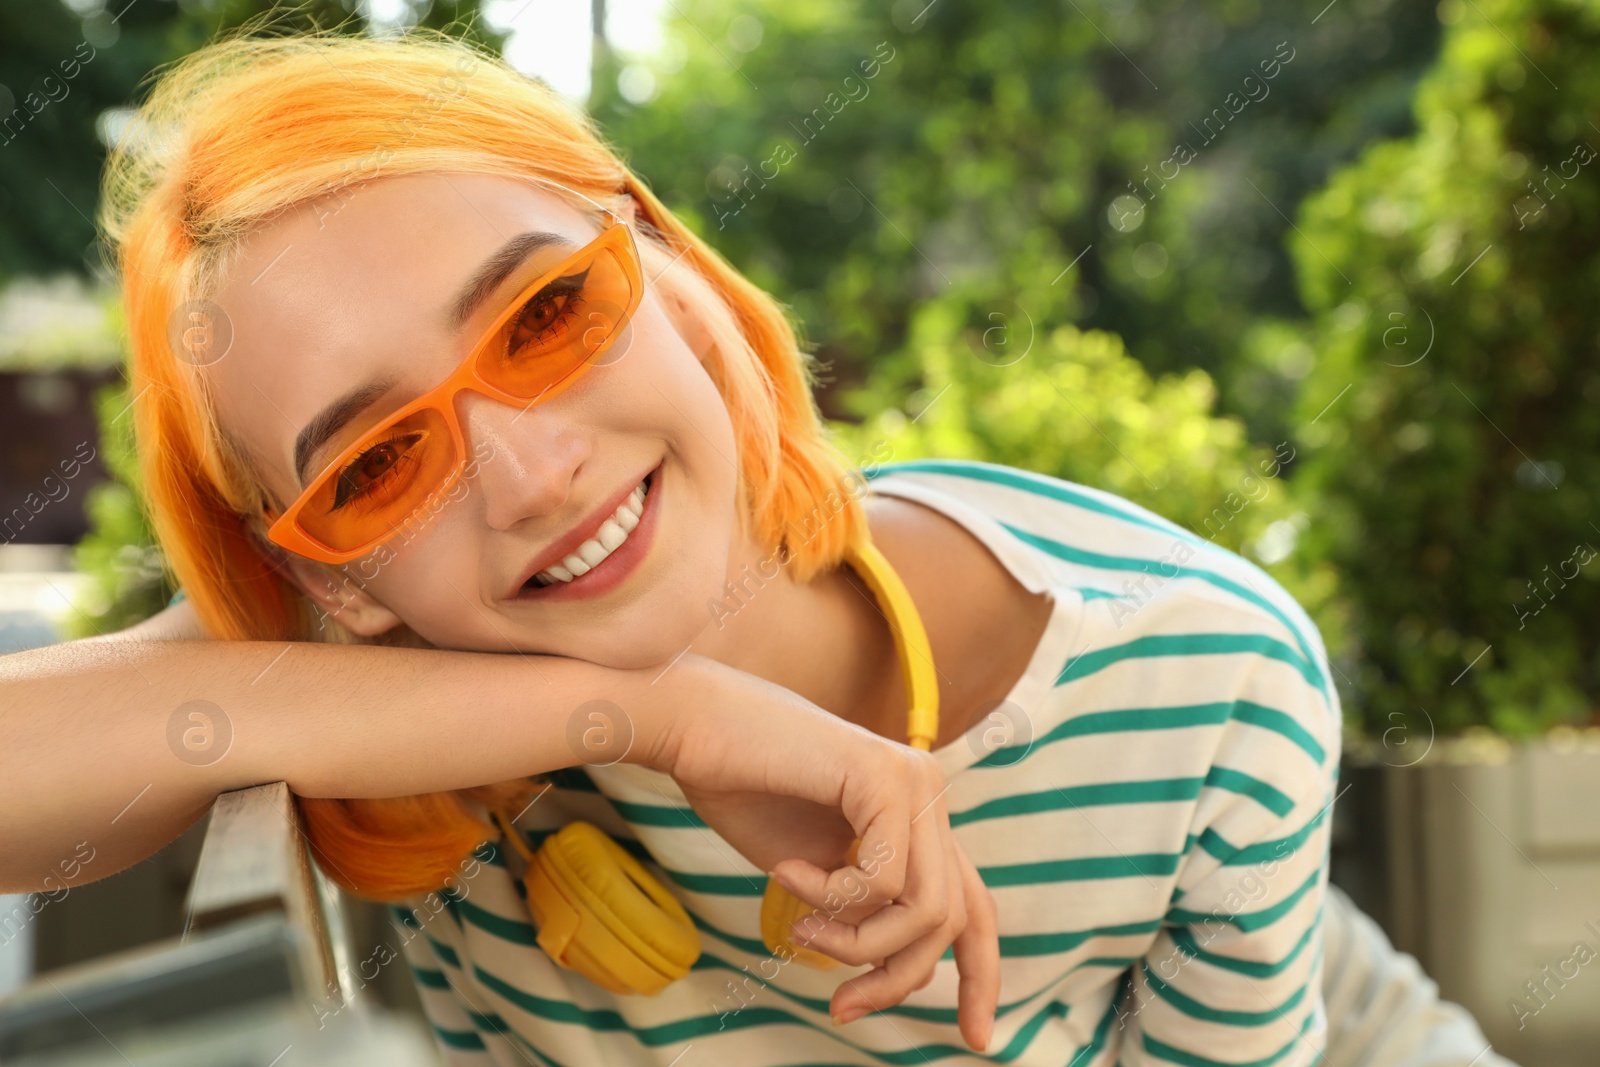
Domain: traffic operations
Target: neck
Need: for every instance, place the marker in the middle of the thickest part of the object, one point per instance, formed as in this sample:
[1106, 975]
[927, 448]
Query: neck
[825, 639]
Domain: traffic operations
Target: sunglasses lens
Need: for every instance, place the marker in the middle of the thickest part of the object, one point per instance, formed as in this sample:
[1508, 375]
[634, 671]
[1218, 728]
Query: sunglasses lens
[374, 495]
[563, 329]
[547, 342]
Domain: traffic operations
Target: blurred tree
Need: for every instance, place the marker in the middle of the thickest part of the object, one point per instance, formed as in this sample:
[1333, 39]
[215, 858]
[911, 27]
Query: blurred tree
[1076, 405]
[66, 66]
[59, 146]
[1450, 428]
[988, 146]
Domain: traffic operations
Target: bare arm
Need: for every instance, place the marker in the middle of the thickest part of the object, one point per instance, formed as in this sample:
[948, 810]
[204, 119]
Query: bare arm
[92, 756]
[102, 741]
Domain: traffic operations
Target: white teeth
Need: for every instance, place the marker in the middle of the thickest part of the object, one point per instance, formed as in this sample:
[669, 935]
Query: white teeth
[607, 539]
[592, 552]
[612, 535]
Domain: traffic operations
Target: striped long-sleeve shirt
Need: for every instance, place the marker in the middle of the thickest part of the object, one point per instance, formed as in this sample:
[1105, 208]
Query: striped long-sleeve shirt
[1149, 808]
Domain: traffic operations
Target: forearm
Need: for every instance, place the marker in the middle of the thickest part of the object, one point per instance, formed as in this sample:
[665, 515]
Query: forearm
[94, 748]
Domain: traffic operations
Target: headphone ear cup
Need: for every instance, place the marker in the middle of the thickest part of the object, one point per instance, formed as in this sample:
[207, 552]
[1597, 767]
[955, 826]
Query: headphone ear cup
[781, 909]
[601, 914]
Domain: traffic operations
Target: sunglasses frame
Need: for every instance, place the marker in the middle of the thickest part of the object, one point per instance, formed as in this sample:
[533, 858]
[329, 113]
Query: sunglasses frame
[285, 531]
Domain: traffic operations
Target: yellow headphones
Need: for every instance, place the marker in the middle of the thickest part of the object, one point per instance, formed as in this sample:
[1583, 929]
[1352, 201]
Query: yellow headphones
[600, 913]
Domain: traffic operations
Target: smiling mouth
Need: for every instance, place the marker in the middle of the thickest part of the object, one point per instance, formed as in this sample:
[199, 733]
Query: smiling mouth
[611, 535]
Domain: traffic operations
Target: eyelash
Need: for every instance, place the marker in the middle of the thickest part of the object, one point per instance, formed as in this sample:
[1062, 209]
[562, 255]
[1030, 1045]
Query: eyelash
[356, 496]
[570, 286]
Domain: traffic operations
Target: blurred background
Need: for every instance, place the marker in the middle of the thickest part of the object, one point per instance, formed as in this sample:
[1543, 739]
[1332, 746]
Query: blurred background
[1315, 280]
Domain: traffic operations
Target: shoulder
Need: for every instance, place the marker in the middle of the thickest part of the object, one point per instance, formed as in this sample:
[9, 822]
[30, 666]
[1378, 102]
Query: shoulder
[1174, 625]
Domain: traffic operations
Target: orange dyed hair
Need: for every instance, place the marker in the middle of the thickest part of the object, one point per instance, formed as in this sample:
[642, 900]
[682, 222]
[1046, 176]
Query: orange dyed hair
[250, 126]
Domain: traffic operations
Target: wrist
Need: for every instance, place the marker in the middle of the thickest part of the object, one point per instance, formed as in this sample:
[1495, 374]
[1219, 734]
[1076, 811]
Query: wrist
[661, 706]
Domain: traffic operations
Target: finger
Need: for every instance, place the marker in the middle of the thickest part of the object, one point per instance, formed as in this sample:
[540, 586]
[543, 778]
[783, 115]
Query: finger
[911, 968]
[846, 890]
[880, 811]
[977, 951]
[919, 911]
[888, 985]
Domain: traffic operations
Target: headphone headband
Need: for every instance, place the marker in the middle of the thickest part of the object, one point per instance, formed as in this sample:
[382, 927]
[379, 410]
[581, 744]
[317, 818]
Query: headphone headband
[910, 641]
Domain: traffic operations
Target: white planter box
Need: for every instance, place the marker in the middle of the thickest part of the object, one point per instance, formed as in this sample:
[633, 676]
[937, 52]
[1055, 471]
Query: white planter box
[1482, 859]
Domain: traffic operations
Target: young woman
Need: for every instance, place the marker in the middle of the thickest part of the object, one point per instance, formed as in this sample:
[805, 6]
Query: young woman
[433, 550]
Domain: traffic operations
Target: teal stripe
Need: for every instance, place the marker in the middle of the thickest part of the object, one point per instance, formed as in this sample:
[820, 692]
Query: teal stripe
[518, 932]
[1189, 1059]
[1247, 921]
[1263, 851]
[659, 815]
[528, 1049]
[1183, 716]
[1148, 791]
[1205, 1013]
[1279, 722]
[1197, 644]
[1266, 795]
[1184, 940]
[1067, 493]
[445, 953]
[1085, 1055]
[1050, 943]
[1171, 571]
[1118, 721]
[1117, 963]
[749, 1018]
[1082, 869]
[709, 961]
[466, 1039]
[429, 977]
[1037, 484]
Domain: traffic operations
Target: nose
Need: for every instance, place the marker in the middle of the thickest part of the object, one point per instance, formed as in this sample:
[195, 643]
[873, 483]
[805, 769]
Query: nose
[522, 460]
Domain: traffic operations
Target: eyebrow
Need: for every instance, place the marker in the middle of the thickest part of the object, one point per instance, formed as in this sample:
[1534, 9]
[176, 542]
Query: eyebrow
[478, 288]
[496, 269]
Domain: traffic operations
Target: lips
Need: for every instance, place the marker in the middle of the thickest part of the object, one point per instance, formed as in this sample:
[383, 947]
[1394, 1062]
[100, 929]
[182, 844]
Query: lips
[612, 538]
[611, 535]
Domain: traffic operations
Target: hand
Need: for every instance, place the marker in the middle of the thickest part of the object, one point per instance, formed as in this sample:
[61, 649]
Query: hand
[789, 785]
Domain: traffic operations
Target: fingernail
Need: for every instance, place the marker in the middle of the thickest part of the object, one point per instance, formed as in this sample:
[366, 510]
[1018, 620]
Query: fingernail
[849, 1015]
[774, 876]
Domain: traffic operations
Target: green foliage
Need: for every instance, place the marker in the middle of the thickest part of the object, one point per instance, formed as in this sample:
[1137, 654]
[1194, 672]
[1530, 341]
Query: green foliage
[1075, 405]
[1449, 425]
[62, 72]
[119, 553]
[990, 149]
[129, 579]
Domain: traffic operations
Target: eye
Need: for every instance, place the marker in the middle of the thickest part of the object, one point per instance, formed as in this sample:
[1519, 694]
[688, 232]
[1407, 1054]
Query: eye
[543, 317]
[375, 469]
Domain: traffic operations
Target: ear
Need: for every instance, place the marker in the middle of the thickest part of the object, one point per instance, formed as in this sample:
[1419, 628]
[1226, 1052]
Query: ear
[337, 595]
[688, 324]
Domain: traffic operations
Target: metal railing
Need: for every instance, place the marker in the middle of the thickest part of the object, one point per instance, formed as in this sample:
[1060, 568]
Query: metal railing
[260, 974]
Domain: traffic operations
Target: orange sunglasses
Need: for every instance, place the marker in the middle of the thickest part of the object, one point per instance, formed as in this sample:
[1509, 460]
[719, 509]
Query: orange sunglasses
[553, 332]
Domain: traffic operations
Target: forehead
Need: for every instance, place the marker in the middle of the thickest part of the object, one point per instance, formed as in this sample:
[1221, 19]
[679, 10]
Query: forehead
[359, 284]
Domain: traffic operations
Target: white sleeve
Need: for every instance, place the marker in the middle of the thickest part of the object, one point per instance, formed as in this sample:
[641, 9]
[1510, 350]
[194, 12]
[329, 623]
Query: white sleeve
[1234, 974]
